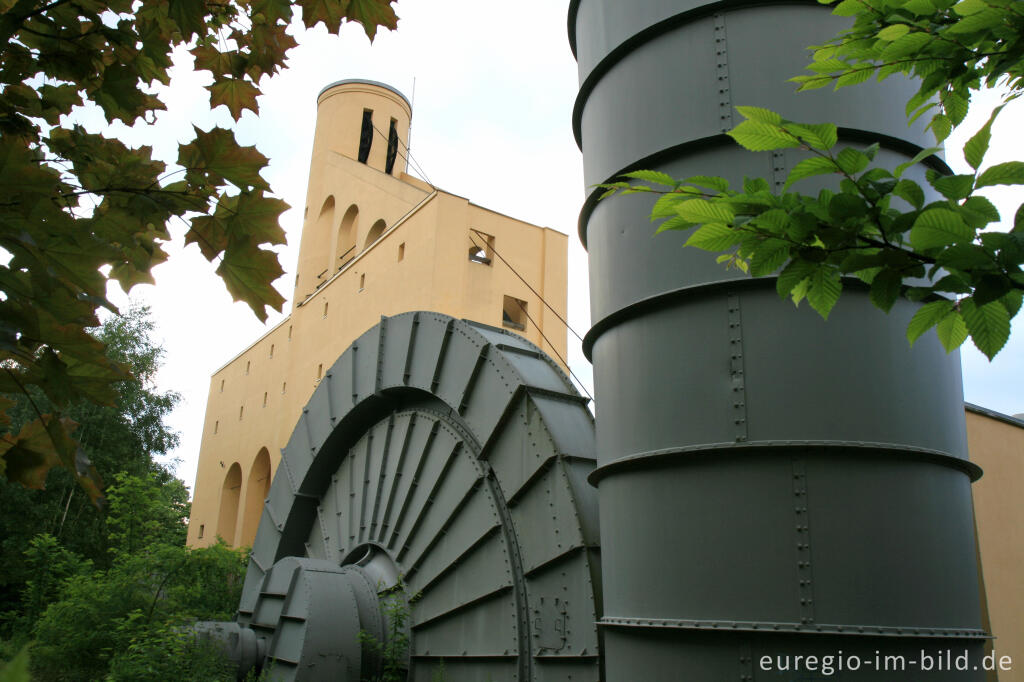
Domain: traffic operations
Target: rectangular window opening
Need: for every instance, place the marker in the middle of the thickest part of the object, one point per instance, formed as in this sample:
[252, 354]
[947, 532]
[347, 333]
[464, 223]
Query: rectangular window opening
[264, 399]
[271, 351]
[481, 248]
[319, 371]
[248, 364]
[366, 136]
[389, 163]
[362, 281]
[513, 313]
[221, 385]
[401, 251]
[325, 308]
[216, 427]
[202, 529]
[241, 412]
[284, 387]
[289, 332]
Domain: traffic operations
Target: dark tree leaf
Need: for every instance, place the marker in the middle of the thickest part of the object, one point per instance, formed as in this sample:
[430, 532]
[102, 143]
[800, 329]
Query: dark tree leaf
[371, 14]
[234, 93]
[218, 153]
[248, 274]
[885, 289]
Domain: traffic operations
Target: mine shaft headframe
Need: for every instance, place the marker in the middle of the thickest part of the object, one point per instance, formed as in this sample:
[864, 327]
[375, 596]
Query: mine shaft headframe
[434, 490]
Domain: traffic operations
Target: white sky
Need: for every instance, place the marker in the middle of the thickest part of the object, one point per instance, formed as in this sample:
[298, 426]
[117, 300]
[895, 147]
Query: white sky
[494, 89]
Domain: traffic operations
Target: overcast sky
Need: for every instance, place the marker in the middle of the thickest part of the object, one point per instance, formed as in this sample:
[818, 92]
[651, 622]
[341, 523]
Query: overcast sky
[494, 88]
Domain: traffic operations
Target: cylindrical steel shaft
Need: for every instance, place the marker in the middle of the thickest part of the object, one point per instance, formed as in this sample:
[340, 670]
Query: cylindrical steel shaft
[770, 483]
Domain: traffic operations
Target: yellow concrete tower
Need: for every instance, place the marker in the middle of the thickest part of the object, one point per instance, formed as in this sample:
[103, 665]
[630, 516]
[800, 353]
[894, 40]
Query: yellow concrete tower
[375, 241]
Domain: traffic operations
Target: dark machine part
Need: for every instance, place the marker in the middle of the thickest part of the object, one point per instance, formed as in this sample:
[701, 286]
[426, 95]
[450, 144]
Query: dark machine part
[769, 483]
[435, 487]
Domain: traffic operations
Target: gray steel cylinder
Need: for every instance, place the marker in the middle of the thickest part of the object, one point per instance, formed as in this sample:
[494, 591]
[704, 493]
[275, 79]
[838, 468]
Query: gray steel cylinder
[769, 483]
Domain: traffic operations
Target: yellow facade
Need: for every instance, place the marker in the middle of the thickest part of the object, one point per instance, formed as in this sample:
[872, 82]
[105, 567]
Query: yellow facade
[373, 243]
[996, 444]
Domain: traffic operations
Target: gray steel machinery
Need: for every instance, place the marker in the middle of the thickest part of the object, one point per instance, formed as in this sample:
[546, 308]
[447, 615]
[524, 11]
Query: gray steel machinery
[770, 484]
[434, 490]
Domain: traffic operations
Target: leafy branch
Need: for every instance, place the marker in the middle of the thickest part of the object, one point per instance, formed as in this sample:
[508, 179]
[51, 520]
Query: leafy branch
[78, 209]
[936, 244]
[970, 277]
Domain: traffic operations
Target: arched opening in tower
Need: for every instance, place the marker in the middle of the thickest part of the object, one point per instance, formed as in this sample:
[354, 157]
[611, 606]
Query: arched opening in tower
[229, 495]
[256, 489]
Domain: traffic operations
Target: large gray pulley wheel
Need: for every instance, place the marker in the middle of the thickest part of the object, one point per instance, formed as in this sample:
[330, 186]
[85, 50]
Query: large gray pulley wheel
[434, 491]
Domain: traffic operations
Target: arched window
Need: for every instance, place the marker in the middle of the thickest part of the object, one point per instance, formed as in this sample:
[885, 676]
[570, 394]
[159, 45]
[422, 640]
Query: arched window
[257, 487]
[346, 239]
[229, 503]
[374, 234]
[324, 226]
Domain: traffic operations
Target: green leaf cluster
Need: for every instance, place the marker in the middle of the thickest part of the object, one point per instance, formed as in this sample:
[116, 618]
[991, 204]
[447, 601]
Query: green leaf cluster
[78, 209]
[875, 225]
[124, 622]
[952, 47]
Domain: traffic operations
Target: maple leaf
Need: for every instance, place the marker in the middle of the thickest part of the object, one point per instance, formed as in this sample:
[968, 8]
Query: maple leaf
[29, 455]
[210, 234]
[267, 45]
[255, 216]
[372, 13]
[234, 93]
[41, 445]
[120, 97]
[189, 15]
[209, 58]
[218, 153]
[248, 272]
[57, 100]
[272, 10]
[330, 12]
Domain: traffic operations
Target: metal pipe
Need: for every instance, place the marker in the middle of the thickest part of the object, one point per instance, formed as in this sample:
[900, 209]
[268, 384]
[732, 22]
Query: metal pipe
[769, 483]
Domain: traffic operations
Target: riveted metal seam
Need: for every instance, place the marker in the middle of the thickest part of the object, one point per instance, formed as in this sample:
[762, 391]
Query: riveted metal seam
[378, 379]
[721, 43]
[474, 374]
[790, 627]
[854, 135]
[778, 172]
[738, 394]
[442, 351]
[351, 500]
[413, 328]
[519, 591]
[385, 521]
[746, 661]
[801, 512]
[325, 535]
[653, 457]
[329, 378]
[382, 476]
[646, 35]
[669, 298]
[355, 373]
[364, 496]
